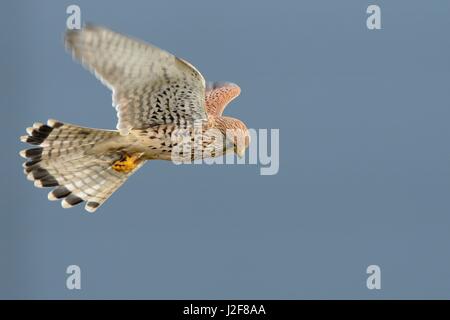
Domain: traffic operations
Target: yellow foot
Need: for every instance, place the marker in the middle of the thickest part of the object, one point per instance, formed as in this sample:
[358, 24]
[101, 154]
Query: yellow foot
[127, 163]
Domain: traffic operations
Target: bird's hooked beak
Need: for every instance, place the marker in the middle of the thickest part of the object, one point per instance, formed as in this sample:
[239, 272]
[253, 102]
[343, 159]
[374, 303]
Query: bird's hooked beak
[239, 148]
[239, 151]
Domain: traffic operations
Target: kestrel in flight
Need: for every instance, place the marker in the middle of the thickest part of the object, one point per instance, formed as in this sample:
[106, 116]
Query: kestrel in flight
[158, 97]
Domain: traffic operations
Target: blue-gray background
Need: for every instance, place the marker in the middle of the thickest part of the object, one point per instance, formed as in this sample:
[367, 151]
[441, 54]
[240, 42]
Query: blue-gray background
[364, 155]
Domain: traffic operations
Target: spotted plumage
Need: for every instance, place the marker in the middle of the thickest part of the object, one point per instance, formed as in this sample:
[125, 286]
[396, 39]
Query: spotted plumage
[163, 104]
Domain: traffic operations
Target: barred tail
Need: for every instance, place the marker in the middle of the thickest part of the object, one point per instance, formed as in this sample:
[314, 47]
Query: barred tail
[65, 158]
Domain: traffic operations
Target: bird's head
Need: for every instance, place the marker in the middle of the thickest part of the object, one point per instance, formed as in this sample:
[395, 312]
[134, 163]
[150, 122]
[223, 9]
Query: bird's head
[237, 136]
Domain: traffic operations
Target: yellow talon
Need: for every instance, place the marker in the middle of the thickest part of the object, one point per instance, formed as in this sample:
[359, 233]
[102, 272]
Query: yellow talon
[126, 163]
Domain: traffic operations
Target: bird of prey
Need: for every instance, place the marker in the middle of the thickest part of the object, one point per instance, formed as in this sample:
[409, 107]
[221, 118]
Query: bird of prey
[159, 99]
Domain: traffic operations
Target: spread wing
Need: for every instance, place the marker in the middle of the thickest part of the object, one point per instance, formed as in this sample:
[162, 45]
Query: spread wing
[219, 95]
[150, 86]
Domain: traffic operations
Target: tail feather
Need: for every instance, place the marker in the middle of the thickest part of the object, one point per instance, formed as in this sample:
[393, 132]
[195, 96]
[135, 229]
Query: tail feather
[63, 158]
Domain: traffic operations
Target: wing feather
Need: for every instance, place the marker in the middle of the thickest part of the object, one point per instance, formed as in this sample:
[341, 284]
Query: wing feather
[150, 86]
[219, 95]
